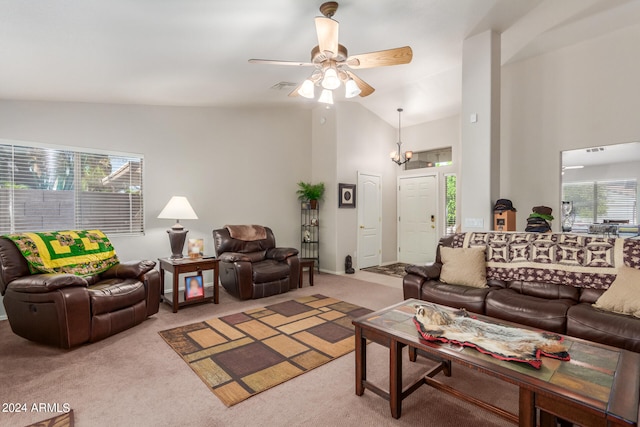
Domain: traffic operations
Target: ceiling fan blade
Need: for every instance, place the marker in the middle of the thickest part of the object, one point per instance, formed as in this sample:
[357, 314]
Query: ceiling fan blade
[294, 92]
[327, 30]
[381, 58]
[276, 62]
[365, 88]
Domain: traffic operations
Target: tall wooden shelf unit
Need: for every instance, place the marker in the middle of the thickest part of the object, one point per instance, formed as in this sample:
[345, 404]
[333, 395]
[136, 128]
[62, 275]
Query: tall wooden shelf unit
[310, 233]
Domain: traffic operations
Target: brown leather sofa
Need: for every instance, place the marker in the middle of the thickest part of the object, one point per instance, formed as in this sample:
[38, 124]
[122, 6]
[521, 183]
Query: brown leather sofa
[562, 308]
[255, 267]
[65, 310]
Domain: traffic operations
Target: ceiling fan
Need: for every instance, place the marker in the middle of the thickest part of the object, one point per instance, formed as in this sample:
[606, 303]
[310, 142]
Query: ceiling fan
[333, 65]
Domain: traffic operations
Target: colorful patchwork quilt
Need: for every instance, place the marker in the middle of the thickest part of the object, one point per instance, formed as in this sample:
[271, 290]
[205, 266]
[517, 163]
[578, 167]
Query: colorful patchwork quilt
[79, 252]
[560, 258]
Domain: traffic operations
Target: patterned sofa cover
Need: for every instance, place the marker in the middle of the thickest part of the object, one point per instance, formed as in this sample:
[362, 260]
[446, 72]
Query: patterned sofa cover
[548, 281]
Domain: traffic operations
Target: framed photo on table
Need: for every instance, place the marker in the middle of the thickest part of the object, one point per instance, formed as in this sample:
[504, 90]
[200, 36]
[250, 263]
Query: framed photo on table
[347, 194]
[193, 288]
[196, 248]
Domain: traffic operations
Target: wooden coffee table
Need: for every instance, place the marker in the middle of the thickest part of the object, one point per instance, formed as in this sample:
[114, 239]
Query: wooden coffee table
[599, 386]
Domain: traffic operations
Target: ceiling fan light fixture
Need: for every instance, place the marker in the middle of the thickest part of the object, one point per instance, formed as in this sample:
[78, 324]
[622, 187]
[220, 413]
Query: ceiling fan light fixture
[330, 80]
[307, 89]
[351, 89]
[326, 97]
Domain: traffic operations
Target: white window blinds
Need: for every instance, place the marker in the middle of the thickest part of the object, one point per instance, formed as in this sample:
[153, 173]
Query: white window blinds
[46, 189]
[597, 201]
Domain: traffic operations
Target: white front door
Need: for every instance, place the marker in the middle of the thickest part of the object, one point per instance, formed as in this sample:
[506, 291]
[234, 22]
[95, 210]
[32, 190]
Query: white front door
[369, 220]
[417, 219]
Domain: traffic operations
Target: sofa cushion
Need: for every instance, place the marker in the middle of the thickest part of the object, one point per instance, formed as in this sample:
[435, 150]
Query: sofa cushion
[528, 310]
[456, 296]
[619, 330]
[623, 296]
[114, 294]
[546, 290]
[463, 266]
[269, 271]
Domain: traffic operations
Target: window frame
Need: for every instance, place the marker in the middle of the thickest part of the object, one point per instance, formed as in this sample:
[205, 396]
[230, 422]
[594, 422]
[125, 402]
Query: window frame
[136, 227]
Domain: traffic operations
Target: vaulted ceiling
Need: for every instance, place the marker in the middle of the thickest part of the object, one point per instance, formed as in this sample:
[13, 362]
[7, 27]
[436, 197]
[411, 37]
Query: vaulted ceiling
[195, 52]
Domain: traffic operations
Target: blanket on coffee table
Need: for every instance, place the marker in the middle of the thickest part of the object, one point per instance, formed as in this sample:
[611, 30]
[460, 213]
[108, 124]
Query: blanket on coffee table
[500, 341]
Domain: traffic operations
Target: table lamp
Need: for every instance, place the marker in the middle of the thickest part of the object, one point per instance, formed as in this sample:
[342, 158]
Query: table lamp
[177, 208]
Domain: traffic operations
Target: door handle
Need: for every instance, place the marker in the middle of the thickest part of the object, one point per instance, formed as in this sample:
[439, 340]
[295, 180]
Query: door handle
[362, 226]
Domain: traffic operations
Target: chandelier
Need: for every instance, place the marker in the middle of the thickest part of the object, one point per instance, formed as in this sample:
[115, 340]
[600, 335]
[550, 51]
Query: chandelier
[397, 156]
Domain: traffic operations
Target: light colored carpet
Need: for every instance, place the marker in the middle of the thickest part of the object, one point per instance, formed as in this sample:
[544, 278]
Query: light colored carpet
[135, 379]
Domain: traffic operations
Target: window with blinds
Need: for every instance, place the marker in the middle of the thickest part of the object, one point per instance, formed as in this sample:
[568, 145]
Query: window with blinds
[599, 201]
[46, 189]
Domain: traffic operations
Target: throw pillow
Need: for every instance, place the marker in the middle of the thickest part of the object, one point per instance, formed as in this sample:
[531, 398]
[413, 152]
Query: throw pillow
[463, 266]
[623, 296]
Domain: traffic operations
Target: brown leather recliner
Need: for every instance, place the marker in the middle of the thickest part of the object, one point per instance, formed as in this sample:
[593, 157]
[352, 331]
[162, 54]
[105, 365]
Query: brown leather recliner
[250, 264]
[65, 310]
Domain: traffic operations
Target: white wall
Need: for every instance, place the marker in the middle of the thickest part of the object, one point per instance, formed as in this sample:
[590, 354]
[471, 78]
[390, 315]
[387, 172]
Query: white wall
[324, 155]
[235, 165]
[364, 143]
[580, 96]
[479, 187]
[348, 138]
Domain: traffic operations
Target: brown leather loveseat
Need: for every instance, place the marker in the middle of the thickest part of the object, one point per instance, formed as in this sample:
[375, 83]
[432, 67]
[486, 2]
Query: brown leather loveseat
[251, 266]
[66, 310]
[548, 281]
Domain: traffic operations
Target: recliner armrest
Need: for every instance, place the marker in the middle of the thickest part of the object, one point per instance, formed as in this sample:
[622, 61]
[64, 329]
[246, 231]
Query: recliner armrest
[234, 256]
[128, 270]
[427, 271]
[280, 254]
[46, 282]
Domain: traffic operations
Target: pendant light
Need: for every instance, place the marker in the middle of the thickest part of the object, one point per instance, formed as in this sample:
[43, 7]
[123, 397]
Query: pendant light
[397, 156]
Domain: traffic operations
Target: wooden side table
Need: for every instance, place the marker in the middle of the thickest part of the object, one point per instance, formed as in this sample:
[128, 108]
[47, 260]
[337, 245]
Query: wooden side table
[306, 263]
[180, 266]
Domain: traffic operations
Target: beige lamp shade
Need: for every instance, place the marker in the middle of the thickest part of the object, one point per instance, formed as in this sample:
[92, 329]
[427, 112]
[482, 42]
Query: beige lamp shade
[178, 208]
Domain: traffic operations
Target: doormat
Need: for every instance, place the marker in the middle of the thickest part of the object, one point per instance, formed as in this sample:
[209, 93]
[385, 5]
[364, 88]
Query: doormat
[395, 270]
[240, 355]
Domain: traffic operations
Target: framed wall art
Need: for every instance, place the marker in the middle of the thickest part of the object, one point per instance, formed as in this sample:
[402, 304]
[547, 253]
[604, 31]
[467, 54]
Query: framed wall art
[347, 195]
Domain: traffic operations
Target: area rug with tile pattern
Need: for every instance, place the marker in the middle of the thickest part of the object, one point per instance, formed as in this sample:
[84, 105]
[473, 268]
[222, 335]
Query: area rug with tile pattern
[395, 270]
[242, 354]
[63, 420]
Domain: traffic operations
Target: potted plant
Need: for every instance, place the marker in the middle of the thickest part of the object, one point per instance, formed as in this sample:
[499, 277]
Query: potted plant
[311, 193]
